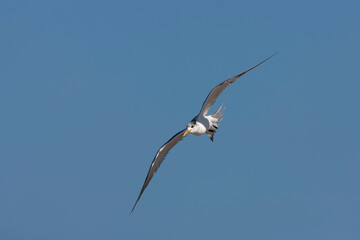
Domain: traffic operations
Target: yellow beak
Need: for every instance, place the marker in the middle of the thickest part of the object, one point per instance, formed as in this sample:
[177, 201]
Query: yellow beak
[187, 131]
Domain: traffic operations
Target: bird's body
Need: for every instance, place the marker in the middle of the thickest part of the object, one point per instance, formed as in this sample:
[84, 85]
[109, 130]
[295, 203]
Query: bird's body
[201, 124]
[206, 123]
[201, 127]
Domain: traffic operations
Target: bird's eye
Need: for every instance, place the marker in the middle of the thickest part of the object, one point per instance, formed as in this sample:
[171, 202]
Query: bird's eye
[192, 126]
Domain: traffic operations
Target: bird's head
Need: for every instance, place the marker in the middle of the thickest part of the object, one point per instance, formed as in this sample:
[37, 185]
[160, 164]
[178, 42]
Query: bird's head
[190, 127]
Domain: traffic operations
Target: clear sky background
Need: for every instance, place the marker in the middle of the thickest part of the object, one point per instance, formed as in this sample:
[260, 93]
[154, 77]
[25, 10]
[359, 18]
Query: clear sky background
[89, 90]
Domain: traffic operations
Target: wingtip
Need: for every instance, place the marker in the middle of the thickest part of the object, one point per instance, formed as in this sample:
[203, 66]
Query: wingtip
[131, 212]
[239, 75]
[134, 206]
[274, 54]
[268, 58]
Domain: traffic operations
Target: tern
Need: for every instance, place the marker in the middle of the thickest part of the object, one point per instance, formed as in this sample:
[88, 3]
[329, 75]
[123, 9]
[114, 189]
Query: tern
[199, 125]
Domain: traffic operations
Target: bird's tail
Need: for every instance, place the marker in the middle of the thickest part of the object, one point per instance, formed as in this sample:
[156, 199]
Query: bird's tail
[216, 118]
[218, 114]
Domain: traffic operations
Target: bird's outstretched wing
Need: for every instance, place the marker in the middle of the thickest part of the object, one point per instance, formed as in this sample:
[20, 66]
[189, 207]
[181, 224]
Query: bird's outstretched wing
[216, 91]
[158, 159]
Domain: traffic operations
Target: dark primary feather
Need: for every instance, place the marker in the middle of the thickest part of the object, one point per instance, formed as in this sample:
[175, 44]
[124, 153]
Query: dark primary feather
[158, 159]
[216, 91]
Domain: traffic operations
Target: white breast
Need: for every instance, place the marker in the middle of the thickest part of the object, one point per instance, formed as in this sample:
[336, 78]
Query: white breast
[198, 129]
[202, 125]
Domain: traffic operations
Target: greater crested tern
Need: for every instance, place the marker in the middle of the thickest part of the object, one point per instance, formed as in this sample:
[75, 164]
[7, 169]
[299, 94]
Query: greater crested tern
[200, 124]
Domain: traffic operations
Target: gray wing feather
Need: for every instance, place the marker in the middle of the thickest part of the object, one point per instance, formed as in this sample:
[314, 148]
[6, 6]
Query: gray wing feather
[158, 159]
[216, 91]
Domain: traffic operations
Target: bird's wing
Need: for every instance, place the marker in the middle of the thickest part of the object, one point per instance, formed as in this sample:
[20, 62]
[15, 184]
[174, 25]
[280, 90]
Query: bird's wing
[216, 91]
[158, 159]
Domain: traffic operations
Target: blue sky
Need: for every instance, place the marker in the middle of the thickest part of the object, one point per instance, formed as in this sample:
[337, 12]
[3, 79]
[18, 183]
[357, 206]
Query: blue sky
[89, 90]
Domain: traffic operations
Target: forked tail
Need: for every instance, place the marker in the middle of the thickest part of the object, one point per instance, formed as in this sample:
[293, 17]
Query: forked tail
[216, 118]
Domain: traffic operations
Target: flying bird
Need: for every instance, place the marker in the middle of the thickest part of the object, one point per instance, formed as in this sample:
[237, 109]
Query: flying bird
[199, 125]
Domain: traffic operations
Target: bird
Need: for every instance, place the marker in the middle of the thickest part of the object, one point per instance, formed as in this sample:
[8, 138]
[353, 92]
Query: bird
[201, 124]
